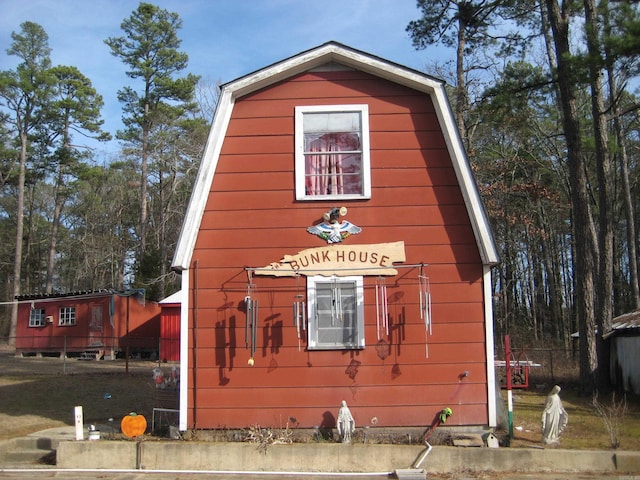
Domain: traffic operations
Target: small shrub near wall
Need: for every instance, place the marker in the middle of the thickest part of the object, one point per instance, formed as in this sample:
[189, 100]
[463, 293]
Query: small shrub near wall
[383, 436]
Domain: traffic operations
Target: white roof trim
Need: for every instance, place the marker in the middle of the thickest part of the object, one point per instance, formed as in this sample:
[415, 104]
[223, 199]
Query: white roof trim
[468, 186]
[176, 297]
[308, 60]
[200, 193]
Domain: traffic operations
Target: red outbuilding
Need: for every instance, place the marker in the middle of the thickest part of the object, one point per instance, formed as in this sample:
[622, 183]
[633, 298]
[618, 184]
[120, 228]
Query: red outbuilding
[335, 248]
[170, 327]
[97, 324]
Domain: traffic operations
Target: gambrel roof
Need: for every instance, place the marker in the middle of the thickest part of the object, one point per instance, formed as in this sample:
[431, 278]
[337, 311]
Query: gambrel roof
[333, 52]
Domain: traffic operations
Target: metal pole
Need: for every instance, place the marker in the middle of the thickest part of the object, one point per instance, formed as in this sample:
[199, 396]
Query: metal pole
[126, 349]
[507, 353]
[64, 356]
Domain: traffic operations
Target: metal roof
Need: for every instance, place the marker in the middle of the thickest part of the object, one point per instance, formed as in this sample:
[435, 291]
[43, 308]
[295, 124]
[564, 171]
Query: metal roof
[624, 323]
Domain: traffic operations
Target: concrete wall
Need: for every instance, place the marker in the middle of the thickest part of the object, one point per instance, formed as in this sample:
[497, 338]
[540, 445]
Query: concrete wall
[178, 455]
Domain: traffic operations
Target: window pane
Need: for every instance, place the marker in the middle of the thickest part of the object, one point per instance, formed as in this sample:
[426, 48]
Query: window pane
[332, 122]
[349, 317]
[36, 317]
[67, 316]
[332, 152]
[328, 143]
[328, 172]
[323, 302]
[336, 314]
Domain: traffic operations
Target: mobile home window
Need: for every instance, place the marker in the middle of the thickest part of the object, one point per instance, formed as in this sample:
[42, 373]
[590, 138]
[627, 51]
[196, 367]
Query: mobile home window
[67, 316]
[36, 317]
[332, 152]
[336, 313]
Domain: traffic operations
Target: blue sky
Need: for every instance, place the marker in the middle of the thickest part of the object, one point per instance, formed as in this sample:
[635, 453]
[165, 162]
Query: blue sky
[224, 39]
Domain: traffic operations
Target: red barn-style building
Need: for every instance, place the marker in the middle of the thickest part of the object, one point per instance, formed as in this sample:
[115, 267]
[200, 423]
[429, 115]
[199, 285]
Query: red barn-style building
[335, 248]
[101, 323]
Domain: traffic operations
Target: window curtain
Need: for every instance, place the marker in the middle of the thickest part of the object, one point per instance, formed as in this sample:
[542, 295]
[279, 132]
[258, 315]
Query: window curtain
[326, 166]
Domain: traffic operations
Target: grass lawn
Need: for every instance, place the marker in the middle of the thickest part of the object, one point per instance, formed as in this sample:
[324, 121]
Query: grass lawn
[585, 430]
[35, 394]
[32, 403]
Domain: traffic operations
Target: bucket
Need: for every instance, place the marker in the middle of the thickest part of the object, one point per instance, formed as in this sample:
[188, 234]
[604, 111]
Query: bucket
[94, 434]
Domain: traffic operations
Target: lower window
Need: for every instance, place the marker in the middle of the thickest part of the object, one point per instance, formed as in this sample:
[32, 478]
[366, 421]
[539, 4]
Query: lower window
[336, 312]
[67, 316]
[36, 317]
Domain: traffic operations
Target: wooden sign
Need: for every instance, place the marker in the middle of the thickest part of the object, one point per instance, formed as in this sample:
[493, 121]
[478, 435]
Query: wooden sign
[339, 260]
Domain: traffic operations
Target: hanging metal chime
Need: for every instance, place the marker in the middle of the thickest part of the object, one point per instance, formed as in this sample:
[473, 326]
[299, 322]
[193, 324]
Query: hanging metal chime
[382, 309]
[299, 316]
[425, 307]
[251, 324]
[337, 314]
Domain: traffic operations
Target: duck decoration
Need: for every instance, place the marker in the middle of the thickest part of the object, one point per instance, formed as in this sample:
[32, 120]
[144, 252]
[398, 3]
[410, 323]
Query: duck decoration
[332, 229]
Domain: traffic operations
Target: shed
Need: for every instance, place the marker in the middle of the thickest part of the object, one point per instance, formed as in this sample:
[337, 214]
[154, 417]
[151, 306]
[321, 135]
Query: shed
[624, 342]
[335, 247]
[99, 323]
[170, 327]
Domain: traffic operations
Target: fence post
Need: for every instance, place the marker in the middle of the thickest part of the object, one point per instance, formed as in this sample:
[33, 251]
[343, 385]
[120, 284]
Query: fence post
[64, 356]
[507, 354]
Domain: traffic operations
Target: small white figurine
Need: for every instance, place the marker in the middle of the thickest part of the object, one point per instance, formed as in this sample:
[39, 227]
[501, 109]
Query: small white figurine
[158, 378]
[173, 377]
[554, 417]
[346, 424]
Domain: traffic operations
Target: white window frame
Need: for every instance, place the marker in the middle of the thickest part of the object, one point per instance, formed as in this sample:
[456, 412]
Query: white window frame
[67, 316]
[300, 111]
[313, 342]
[37, 317]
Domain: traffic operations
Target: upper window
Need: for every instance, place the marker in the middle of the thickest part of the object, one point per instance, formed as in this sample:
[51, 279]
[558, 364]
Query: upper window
[67, 316]
[36, 317]
[332, 152]
[336, 312]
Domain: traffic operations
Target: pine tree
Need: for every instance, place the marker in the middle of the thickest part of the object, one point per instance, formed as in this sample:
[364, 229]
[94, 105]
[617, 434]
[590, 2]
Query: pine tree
[149, 48]
[24, 92]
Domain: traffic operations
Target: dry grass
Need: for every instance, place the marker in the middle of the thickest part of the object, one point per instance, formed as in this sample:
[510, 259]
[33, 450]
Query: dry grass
[41, 402]
[41, 393]
[585, 430]
[36, 394]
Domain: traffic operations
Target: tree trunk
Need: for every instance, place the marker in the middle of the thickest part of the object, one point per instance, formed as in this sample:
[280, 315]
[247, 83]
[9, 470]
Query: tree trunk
[17, 261]
[53, 238]
[143, 181]
[162, 247]
[584, 260]
[461, 87]
[612, 81]
[605, 189]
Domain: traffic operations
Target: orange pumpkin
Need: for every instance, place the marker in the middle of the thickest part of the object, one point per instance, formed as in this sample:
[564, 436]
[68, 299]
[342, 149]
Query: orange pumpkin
[133, 425]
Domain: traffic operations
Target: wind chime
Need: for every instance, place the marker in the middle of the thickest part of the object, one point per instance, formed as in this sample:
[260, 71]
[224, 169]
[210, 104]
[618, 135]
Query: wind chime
[425, 307]
[383, 347]
[251, 324]
[382, 309]
[299, 316]
[336, 303]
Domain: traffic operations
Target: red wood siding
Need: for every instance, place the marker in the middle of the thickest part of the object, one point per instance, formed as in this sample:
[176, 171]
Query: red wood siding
[170, 332]
[144, 324]
[252, 219]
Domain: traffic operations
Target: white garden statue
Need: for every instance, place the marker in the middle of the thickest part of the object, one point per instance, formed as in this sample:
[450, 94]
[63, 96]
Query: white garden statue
[554, 417]
[346, 424]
